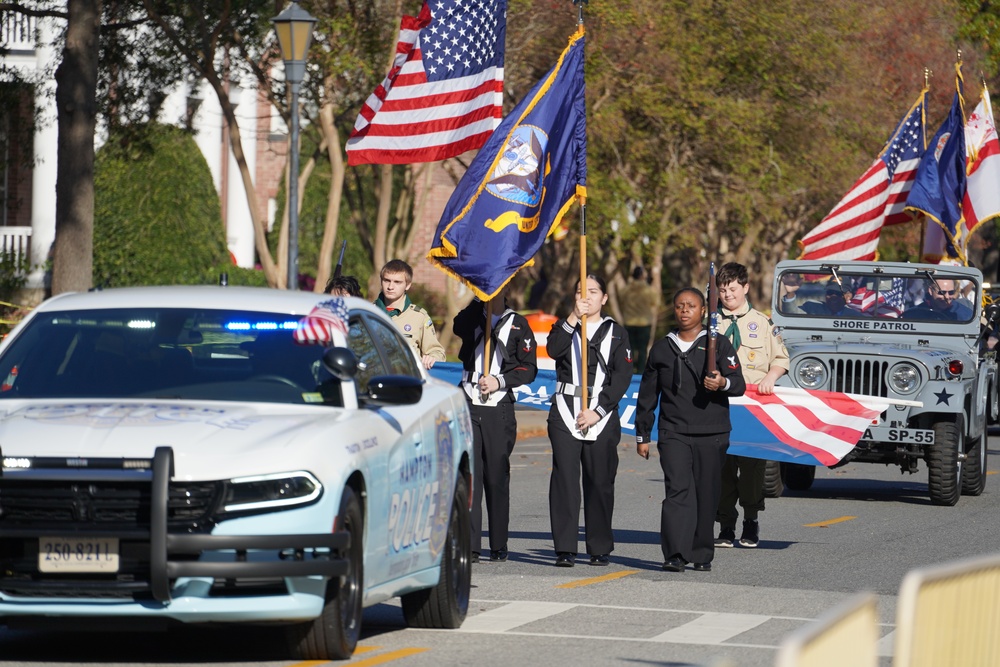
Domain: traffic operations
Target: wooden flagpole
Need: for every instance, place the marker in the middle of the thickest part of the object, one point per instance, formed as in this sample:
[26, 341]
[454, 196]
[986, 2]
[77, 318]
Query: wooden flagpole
[487, 335]
[584, 344]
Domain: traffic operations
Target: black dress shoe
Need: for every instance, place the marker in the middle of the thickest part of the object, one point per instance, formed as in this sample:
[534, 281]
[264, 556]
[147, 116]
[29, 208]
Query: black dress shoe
[674, 564]
[703, 567]
[601, 559]
[498, 555]
[475, 557]
[565, 559]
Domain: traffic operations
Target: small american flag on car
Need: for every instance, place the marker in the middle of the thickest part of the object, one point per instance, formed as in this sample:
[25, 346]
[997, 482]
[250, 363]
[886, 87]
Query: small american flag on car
[886, 303]
[317, 327]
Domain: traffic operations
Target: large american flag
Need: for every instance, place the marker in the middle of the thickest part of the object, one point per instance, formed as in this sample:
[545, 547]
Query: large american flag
[444, 93]
[791, 425]
[851, 230]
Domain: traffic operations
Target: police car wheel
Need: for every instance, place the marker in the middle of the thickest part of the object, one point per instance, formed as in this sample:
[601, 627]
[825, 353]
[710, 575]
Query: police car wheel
[334, 634]
[446, 604]
[799, 477]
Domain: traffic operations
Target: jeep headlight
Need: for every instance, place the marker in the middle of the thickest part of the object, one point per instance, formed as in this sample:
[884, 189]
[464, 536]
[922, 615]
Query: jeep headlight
[277, 491]
[811, 373]
[904, 378]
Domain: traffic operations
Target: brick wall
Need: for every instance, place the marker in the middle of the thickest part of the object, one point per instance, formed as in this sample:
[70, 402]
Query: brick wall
[272, 150]
[434, 187]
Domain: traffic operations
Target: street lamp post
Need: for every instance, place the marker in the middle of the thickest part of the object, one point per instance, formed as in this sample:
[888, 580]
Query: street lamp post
[294, 28]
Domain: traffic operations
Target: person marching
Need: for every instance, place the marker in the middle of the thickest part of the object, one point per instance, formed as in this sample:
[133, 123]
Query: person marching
[764, 359]
[586, 435]
[694, 429]
[411, 320]
[491, 406]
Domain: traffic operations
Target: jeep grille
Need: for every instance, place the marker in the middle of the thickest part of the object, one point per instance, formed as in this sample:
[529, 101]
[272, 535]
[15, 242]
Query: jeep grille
[858, 376]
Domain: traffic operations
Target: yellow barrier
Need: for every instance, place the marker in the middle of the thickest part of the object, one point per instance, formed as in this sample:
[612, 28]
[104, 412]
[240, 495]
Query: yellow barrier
[949, 614]
[846, 635]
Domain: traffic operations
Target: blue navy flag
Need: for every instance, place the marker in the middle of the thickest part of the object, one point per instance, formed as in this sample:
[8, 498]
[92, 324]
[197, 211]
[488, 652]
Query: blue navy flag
[521, 183]
[940, 184]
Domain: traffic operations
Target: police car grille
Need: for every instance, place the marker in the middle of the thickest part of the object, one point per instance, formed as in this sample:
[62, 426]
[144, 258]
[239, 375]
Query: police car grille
[104, 504]
[859, 376]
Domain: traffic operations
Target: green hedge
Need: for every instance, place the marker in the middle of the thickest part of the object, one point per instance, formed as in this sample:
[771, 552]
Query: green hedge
[157, 219]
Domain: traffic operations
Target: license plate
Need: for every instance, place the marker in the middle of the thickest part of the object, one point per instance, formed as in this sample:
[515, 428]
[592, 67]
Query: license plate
[914, 436]
[73, 554]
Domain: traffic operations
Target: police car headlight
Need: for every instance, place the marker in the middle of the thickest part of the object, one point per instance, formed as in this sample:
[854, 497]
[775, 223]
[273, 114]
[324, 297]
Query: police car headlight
[904, 378]
[267, 492]
[811, 373]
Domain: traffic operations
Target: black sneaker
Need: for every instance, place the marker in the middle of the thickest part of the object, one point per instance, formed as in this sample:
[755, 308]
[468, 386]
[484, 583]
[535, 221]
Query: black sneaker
[475, 557]
[751, 534]
[498, 555]
[726, 539]
[600, 559]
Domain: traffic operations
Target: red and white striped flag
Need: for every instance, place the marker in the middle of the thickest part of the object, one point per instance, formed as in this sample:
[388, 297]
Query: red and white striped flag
[851, 230]
[444, 93]
[809, 427]
[982, 194]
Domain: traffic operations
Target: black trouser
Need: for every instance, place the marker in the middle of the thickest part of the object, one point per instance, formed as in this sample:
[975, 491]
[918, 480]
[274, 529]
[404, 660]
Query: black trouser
[599, 463]
[743, 481]
[494, 431]
[692, 470]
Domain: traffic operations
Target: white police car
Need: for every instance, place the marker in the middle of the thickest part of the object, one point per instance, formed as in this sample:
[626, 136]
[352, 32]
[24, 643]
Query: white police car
[224, 454]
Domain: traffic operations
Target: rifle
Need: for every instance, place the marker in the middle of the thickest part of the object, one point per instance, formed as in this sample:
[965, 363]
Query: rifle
[340, 262]
[713, 316]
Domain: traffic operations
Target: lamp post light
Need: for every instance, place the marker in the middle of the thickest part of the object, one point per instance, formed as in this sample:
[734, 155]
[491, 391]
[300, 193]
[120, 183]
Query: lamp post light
[294, 27]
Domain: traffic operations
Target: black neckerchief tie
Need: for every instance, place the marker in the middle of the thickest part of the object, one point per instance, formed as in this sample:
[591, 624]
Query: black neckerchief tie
[675, 381]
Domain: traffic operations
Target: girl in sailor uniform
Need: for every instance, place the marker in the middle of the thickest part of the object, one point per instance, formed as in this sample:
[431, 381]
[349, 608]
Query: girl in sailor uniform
[491, 406]
[586, 436]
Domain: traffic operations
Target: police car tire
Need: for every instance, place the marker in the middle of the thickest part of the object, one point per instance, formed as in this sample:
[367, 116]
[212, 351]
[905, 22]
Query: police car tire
[446, 604]
[944, 469]
[974, 467]
[334, 634]
[774, 486]
[799, 477]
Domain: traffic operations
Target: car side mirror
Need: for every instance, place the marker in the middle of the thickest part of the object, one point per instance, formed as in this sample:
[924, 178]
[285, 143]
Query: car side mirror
[394, 390]
[341, 363]
[992, 314]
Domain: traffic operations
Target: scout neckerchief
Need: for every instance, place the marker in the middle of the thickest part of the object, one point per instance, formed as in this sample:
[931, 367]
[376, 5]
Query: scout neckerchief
[733, 332]
[393, 312]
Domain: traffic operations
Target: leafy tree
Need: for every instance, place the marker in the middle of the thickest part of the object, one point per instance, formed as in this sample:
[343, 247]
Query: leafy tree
[158, 218]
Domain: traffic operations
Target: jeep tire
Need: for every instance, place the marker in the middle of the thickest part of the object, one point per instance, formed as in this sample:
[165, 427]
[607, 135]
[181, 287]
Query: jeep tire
[799, 477]
[773, 484]
[944, 468]
[974, 467]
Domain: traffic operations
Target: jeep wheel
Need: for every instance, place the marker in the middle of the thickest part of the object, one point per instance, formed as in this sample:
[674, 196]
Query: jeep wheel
[334, 634]
[445, 605]
[799, 477]
[773, 484]
[974, 467]
[944, 468]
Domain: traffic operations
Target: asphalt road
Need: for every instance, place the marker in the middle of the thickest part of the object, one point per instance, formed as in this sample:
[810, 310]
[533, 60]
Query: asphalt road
[860, 527]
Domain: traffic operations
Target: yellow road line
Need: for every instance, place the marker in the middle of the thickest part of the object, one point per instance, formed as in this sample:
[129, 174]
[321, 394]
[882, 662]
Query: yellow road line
[388, 657]
[991, 472]
[598, 580]
[316, 663]
[829, 522]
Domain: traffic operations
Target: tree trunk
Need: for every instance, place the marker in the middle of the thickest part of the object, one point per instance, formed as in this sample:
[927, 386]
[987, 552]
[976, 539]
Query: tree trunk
[76, 101]
[337, 173]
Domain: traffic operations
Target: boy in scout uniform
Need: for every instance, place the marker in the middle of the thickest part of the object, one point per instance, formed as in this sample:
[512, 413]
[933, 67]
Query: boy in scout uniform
[412, 321]
[764, 359]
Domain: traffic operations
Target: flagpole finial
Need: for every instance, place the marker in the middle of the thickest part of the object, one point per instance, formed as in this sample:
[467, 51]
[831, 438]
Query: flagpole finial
[958, 55]
[927, 77]
[580, 4]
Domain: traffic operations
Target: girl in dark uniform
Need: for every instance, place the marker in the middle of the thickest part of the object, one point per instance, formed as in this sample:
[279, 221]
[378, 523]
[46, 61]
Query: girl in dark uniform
[586, 436]
[491, 406]
[693, 429]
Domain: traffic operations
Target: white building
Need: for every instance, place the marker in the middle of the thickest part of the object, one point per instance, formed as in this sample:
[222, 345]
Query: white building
[28, 188]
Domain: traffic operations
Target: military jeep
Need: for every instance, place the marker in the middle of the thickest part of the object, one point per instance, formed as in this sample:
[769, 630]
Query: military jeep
[916, 333]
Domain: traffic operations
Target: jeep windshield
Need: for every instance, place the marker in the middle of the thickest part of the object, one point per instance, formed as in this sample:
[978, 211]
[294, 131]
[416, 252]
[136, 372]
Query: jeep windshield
[908, 295]
[167, 353]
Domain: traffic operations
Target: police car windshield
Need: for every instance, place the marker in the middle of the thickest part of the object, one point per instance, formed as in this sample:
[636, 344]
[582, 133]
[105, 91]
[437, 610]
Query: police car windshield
[936, 297]
[167, 353]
